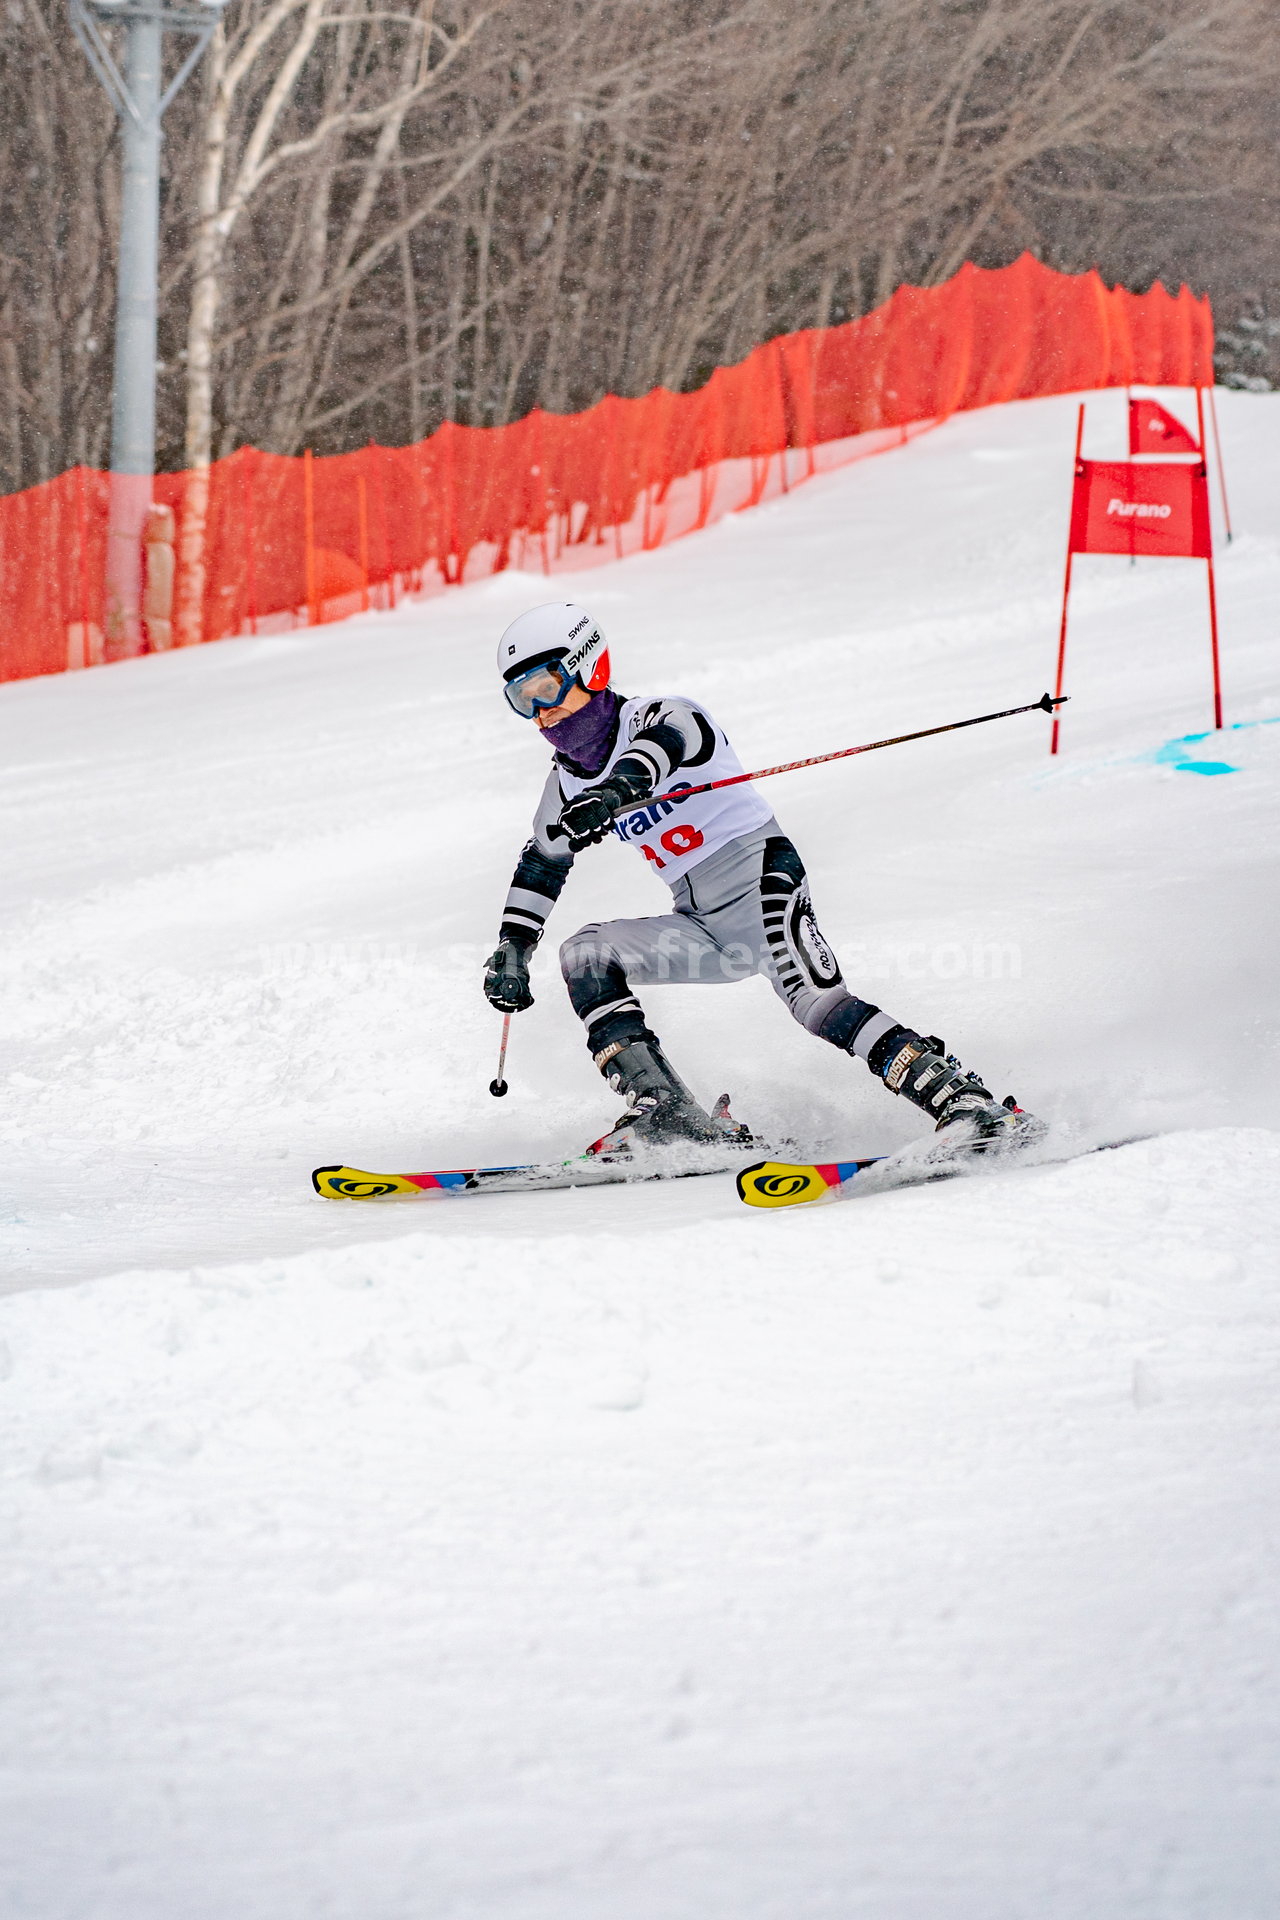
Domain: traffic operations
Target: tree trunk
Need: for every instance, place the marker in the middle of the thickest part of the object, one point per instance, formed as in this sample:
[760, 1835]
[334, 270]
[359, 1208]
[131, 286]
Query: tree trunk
[201, 325]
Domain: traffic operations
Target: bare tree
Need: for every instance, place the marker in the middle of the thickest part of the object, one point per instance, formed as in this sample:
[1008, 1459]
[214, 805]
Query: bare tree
[58, 187]
[289, 88]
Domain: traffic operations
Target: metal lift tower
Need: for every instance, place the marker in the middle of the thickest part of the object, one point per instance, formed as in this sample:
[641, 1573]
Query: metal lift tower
[140, 98]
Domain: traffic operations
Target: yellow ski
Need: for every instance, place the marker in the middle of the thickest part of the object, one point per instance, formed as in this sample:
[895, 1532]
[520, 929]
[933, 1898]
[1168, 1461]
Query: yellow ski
[785, 1183]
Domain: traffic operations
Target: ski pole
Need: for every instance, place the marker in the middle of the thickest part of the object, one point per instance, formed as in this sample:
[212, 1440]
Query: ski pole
[498, 1086]
[1045, 704]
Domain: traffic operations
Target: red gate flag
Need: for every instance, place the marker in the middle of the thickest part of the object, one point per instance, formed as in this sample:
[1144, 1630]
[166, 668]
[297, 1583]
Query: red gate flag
[1153, 429]
[1118, 507]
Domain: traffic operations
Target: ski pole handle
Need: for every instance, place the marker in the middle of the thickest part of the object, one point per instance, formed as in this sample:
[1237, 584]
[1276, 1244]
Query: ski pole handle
[498, 1086]
[1045, 704]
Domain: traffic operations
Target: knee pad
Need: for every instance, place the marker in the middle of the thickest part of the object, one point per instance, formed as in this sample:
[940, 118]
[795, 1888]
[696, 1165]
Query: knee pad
[591, 968]
[581, 951]
[782, 869]
[598, 991]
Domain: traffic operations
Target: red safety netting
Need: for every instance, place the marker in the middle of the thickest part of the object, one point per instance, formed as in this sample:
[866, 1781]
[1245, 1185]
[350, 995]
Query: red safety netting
[288, 541]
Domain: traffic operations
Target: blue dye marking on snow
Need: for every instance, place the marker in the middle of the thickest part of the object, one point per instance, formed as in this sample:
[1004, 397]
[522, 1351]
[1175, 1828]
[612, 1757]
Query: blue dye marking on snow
[1178, 754]
[1174, 752]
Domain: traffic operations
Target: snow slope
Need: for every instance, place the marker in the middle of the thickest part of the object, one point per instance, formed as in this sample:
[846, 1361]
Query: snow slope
[623, 1552]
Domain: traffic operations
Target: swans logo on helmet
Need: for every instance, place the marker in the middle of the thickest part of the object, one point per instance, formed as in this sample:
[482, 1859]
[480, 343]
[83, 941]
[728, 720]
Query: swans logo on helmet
[590, 651]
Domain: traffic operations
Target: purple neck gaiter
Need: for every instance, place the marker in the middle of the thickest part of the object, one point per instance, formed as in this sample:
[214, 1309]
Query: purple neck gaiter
[586, 736]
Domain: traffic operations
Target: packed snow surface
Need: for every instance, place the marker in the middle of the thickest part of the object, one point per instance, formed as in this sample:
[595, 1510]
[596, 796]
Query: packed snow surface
[624, 1554]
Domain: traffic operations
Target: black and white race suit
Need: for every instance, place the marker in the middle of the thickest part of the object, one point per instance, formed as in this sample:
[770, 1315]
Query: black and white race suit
[740, 896]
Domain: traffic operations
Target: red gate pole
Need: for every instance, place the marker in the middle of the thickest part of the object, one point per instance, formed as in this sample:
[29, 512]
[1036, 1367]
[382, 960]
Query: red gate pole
[1066, 585]
[1222, 471]
[1213, 591]
[1213, 641]
[1062, 654]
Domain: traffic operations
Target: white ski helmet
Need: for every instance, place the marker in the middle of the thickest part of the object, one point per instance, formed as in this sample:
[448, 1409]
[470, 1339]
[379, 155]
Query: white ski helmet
[562, 632]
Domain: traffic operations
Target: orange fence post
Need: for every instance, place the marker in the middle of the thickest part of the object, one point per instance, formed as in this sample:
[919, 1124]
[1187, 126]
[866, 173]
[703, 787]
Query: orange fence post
[82, 517]
[251, 537]
[810, 433]
[389, 558]
[309, 515]
[364, 543]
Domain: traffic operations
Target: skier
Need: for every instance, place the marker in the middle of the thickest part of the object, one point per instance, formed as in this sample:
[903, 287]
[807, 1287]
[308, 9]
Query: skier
[741, 898]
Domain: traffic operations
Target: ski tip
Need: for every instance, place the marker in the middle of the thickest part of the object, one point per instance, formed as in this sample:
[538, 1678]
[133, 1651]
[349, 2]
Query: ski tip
[787, 1183]
[349, 1183]
[780, 1183]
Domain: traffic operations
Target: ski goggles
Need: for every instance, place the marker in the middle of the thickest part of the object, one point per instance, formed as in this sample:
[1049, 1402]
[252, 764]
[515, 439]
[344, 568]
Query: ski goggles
[538, 688]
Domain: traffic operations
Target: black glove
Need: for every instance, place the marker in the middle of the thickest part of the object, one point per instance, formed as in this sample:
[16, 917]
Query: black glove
[588, 819]
[506, 976]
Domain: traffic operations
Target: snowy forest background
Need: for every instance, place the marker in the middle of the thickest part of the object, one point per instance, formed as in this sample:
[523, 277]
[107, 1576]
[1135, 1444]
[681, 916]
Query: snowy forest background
[380, 214]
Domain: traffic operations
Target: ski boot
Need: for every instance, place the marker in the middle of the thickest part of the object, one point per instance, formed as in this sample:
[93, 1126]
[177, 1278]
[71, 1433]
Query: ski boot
[661, 1111]
[921, 1069]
